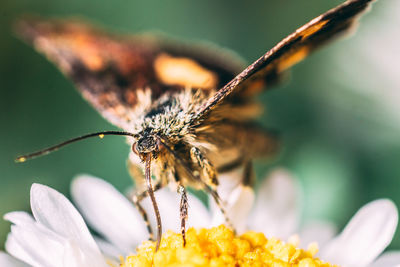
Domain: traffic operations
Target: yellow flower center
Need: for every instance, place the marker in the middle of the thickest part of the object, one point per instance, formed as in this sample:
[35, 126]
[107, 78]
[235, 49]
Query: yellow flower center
[219, 246]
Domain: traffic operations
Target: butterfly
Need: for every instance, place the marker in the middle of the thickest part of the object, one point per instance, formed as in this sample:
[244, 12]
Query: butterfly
[187, 110]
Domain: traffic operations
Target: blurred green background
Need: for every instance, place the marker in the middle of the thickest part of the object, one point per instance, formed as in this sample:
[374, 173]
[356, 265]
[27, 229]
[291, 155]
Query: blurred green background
[339, 114]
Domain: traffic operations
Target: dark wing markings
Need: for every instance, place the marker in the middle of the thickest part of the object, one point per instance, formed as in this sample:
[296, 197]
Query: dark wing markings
[108, 69]
[291, 50]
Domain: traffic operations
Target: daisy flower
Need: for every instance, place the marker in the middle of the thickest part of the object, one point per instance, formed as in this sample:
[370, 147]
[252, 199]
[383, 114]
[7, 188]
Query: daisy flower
[56, 234]
[276, 213]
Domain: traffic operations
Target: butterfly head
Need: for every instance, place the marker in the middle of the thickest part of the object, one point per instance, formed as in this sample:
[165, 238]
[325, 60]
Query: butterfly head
[147, 144]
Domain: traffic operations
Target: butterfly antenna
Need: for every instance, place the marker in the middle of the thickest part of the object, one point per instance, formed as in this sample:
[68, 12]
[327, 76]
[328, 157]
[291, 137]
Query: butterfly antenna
[73, 140]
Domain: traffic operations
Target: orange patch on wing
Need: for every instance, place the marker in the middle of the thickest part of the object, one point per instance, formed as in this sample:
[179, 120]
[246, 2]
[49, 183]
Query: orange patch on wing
[92, 61]
[80, 45]
[254, 87]
[313, 29]
[87, 50]
[293, 58]
[183, 72]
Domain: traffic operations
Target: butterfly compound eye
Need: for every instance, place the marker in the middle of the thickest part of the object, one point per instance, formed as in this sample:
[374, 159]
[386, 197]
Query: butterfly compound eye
[134, 149]
[147, 144]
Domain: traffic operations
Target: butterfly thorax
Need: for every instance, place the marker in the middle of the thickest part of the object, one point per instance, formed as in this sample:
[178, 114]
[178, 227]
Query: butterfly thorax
[168, 118]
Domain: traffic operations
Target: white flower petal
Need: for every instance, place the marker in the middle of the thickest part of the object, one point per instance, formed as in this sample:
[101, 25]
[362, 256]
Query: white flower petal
[198, 215]
[15, 249]
[19, 217]
[109, 250]
[9, 261]
[228, 181]
[75, 256]
[276, 212]
[367, 234]
[55, 211]
[388, 259]
[168, 203]
[109, 212]
[237, 206]
[319, 231]
[35, 245]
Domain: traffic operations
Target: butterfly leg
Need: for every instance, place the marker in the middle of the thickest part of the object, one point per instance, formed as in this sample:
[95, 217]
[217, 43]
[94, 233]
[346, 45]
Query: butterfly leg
[220, 205]
[183, 210]
[207, 168]
[248, 174]
[211, 180]
[196, 178]
[136, 199]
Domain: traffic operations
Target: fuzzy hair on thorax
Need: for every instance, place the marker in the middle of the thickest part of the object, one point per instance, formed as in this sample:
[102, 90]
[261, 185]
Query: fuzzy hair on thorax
[169, 116]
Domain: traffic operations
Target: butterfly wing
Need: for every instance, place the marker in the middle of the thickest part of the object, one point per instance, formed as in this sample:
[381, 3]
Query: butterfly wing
[110, 70]
[291, 50]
